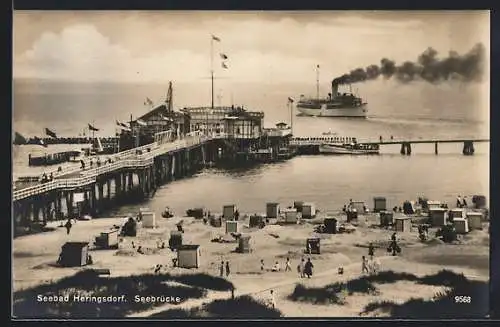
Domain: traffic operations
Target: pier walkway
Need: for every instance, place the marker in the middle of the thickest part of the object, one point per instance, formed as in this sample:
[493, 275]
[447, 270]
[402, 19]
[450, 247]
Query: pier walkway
[141, 157]
[315, 142]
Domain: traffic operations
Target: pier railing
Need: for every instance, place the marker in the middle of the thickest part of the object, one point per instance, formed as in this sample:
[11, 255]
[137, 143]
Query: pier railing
[126, 159]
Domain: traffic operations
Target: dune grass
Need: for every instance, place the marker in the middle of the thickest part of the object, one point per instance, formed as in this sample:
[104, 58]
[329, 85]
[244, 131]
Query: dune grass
[443, 304]
[88, 283]
[240, 307]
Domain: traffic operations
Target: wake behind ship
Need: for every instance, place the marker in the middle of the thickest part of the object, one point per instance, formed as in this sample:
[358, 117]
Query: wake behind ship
[335, 105]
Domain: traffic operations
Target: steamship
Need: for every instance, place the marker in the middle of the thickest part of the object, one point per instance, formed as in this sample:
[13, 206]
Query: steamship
[335, 105]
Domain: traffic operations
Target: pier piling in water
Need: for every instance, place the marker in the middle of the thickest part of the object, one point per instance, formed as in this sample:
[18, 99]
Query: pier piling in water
[468, 149]
[405, 148]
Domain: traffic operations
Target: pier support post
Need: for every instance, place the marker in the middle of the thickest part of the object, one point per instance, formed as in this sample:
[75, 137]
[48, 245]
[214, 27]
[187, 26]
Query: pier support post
[59, 205]
[130, 181]
[69, 205]
[204, 155]
[436, 148]
[142, 182]
[43, 207]
[118, 187]
[124, 182]
[86, 204]
[188, 162]
[108, 190]
[405, 148]
[174, 168]
[100, 190]
[93, 201]
[25, 213]
[149, 179]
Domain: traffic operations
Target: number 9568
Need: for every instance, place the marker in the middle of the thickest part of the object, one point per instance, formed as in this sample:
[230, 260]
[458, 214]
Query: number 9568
[462, 299]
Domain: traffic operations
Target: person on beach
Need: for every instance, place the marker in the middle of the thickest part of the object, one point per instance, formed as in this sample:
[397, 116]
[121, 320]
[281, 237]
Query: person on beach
[272, 300]
[236, 215]
[364, 265]
[221, 268]
[68, 226]
[276, 266]
[288, 265]
[371, 250]
[301, 268]
[228, 271]
[261, 264]
[308, 268]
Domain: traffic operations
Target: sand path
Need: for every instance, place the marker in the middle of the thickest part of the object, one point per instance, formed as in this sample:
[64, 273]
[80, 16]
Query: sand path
[350, 271]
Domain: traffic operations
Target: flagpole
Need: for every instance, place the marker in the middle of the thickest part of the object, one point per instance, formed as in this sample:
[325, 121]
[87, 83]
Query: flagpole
[317, 82]
[212, 66]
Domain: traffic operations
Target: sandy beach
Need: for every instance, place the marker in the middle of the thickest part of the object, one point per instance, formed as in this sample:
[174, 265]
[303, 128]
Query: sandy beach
[34, 266]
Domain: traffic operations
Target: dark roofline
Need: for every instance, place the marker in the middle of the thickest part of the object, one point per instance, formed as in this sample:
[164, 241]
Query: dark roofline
[162, 108]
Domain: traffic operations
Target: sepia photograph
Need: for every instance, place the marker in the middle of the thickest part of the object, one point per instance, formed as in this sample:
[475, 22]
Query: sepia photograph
[250, 164]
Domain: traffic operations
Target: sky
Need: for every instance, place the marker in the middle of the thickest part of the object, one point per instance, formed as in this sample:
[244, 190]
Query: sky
[270, 47]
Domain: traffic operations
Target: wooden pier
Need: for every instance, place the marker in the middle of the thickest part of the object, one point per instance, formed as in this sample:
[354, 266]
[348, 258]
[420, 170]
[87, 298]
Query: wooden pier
[468, 148]
[130, 175]
[310, 145]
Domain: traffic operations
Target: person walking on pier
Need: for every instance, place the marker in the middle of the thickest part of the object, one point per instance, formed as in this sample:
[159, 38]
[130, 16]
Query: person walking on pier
[68, 226]
[228, 271]
[236, 215]
[459, 202]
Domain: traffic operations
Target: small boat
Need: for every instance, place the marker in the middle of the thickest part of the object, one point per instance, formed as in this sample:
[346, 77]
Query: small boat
[352, 148]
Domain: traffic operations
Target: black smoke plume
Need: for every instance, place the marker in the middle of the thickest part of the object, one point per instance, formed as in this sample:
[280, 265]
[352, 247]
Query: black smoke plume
[468, 67]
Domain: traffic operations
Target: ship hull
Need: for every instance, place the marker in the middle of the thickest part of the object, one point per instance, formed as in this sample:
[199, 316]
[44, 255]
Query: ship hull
[358, 112]
[339, 149]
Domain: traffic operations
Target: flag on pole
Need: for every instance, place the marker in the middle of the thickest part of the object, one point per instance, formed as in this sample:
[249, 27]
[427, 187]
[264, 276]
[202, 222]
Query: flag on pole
[50, 133]
[19, 139]
[224, 65]
[223, 56]
[39, 141]
[290, 100]
[92, 128]
[148, 102]
[122, 126]
[141, 122]
[215, 38]
[166, 118]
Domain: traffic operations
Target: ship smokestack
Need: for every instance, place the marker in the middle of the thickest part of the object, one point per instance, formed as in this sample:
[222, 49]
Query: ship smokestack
[335, 88]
